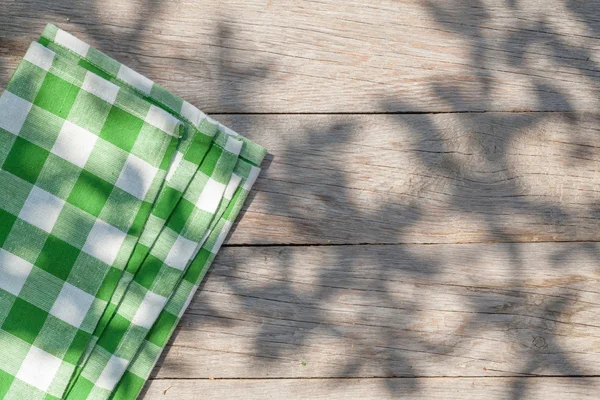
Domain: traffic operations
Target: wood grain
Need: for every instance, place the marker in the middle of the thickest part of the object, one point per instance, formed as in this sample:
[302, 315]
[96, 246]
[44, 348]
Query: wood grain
[393, 311]
[380, 389]
[434, 178]
[422, 317]
[339, 55]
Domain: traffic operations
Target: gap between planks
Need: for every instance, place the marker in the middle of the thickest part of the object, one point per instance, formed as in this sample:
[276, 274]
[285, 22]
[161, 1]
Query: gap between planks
[427, 389]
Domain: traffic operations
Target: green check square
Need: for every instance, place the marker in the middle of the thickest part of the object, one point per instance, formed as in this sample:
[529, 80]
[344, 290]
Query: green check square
[6, 223]
[197, 266]
[57, 257]
[77, 346]
[105, 319]
[14, 192]
[58, 176]
[195, 188]
[139, 254]
[5, 382]
[89, 112]
[6, 301]
[179, 297]
[171, 147]
[151, 144]
[90, 193]
[73, 225]
[81, 389]
[148, 271]
[27, 81]
[121, 128]
[114, 332]
[41, 289]
[129, 100]
[129, 386]
[56, 95]
[140, 219]
[96, 57]
[106, 161]
[210, 161]
[30, 249]
[6, 142]
[24, 321]
[63, 67]
[166, 202]
[41, 127]
[159, 333]
[12, 360]
[197, 151]
[181, 215]
[88, 273]
[25, 160]
[109, 284]
[120, 209]
[132, 301]
[164, 243]
[167, 98]
[56, 336]
[128, 346]
[166, 280]
[21, 390]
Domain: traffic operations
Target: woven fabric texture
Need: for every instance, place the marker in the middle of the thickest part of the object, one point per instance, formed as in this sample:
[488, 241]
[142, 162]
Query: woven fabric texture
[117, 195]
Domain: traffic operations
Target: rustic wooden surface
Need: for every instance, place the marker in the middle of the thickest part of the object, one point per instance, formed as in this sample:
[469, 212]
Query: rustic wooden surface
[426, 225]
[376, 389]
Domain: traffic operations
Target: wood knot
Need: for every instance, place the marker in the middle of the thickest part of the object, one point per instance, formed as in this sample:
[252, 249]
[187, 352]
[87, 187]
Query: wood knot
[539, 342]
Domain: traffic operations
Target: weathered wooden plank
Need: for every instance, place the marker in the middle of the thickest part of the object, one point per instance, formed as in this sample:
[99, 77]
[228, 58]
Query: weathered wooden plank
[442, 178]
[380, 389]
[339, 55]
[393, 311]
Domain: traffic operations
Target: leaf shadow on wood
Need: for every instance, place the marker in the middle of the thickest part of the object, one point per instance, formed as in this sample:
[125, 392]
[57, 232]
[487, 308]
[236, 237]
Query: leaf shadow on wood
[303, 315]
[296, 314]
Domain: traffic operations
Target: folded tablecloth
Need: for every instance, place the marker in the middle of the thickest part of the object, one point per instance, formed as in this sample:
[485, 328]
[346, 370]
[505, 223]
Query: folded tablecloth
[115, 197]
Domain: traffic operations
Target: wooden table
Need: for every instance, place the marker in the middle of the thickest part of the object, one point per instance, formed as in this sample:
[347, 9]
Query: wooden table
[427, 224]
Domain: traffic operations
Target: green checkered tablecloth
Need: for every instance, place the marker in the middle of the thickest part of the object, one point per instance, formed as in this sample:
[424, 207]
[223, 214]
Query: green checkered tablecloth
[116, 196]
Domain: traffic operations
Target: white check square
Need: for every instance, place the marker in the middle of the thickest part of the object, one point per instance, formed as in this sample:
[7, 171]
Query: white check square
[72, 305]
[39, 368]
[232, 186]
[149, 310]
[211, 196]
[136, 80]
[112, 373]
[13, 272]
[74, 144]
[252, 176]
[181, 252]
[136, 177]
[162, 120]
[13, 112]
[188, 300]
[222, 236]
[40, 56]
[41, 209]
[233, 145]
[100, 87]
[192, 113]
[72, 43]
[104, 242]
[174, 165]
